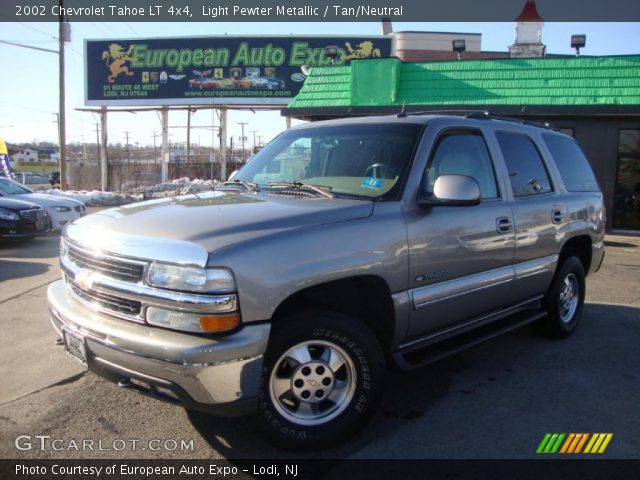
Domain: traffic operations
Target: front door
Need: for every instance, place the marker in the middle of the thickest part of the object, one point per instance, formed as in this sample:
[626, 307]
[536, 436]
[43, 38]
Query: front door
[460, 258]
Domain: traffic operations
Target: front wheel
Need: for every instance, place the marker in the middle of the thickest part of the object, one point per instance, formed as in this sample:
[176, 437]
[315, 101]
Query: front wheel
[322, 378]
[565, 300]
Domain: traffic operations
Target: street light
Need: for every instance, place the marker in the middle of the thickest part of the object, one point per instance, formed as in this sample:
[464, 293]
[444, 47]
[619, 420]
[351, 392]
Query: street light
[578, 42]
[459, 46]
[332, 52]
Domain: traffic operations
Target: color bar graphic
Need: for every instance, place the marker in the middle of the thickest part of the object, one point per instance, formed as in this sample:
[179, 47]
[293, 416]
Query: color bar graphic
[550, 443]
[574, 443]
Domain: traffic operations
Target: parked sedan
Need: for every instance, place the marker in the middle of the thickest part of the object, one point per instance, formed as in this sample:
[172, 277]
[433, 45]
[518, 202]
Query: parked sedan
[36, 180]
[19, 219]
[61, 210]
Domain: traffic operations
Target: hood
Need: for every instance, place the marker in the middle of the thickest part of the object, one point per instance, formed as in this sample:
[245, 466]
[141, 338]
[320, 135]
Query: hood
[16, 204]
[217, 219]
[46, 200]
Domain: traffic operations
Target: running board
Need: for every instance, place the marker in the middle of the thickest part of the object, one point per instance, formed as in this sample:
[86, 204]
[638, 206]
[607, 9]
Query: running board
[418, 356]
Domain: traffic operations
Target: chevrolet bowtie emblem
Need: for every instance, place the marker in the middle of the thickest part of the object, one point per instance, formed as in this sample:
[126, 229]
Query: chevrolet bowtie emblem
[84, 279]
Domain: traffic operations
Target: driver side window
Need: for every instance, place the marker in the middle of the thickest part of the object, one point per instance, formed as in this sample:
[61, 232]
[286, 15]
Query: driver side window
[463, 153]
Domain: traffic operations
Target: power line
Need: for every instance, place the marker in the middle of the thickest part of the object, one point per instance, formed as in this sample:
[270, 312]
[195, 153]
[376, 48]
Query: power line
[48, 112]
[31, 27]
[131, 29]
[106, 25]
[29, 47]
[100, 29]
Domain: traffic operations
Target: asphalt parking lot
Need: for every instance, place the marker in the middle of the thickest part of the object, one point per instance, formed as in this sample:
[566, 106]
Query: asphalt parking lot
[494, 401]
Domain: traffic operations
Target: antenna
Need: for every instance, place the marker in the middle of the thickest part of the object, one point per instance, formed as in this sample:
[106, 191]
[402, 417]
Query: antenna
[402, 112]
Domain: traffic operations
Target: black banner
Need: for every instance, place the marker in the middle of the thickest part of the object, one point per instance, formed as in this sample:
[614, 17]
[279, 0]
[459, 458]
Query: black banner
[214, 70]
[313, 10]
[297, 469]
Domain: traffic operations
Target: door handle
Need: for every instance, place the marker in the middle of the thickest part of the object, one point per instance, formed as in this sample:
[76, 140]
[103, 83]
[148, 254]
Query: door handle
[504, 225]
[556, 216]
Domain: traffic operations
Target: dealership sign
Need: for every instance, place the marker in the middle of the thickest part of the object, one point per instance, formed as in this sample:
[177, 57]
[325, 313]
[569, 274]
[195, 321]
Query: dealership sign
[213, 70]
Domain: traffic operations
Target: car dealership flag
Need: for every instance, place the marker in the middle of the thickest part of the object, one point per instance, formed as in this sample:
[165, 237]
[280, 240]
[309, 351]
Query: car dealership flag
[5, 166]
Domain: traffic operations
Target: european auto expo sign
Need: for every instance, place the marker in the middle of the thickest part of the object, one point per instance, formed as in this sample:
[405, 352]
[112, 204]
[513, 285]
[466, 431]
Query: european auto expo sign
[213, 70]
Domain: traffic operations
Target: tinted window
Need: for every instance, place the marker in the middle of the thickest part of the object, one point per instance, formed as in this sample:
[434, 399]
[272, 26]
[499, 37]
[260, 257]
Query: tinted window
[526, 170]
[573, 165]
[464, 154]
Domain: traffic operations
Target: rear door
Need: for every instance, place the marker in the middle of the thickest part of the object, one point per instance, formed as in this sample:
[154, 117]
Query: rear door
[539, 213]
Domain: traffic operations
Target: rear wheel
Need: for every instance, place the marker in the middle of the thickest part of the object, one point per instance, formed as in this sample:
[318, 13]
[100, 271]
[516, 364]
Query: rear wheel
[322, 378]
[565, 300]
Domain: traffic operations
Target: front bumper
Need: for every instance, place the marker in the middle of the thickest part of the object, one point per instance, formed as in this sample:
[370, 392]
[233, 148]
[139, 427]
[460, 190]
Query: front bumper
[218, 375]
[22, 228]
[60, 219]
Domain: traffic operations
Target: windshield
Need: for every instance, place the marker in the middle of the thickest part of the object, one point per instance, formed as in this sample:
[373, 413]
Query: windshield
[12, 188]
[366, 160]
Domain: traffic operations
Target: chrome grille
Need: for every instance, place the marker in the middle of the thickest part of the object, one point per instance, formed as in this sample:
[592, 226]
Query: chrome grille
[33, 214]
[107, 266]
[123, 306]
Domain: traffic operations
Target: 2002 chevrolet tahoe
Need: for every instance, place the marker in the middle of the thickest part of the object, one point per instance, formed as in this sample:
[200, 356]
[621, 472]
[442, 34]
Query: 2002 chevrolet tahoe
[341, 248]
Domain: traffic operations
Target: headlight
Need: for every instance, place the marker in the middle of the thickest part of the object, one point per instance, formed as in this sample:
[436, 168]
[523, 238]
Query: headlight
[62, 209]
[190, 279]
[8, 214]
[192, 322]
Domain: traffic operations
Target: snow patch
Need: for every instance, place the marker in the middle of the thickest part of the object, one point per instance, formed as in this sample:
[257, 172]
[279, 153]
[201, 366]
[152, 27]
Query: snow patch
[97, 198]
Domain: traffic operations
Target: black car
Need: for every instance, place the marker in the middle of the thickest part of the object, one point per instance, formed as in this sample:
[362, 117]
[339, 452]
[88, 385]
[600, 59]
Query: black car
[54, 178]
[19, 219]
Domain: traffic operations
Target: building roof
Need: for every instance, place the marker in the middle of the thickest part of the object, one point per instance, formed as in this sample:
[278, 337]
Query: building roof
[529, 13]
[515, 83]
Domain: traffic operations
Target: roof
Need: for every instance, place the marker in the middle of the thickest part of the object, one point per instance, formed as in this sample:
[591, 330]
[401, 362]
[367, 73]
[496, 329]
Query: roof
[529, 13]
[517, 83]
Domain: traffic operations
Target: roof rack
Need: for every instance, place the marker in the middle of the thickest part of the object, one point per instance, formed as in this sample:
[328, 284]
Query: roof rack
[442, 112]
[481, 115]
[490, 116]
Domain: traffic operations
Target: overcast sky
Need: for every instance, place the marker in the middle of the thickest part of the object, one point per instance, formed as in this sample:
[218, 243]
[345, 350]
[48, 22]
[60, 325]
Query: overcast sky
[29, 83]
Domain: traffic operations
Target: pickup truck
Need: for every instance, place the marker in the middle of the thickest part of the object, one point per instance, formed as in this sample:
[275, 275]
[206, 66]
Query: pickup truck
[342, 249]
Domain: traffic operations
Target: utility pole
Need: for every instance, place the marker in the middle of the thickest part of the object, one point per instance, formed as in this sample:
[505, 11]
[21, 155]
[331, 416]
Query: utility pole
[242, 124]
[127, 146]
[188, 132]
[223, 143]
[155, 149]
[212, 157]
[254, 141]
[165, 143]
[104, 158]
[98, 142]
[62, 131]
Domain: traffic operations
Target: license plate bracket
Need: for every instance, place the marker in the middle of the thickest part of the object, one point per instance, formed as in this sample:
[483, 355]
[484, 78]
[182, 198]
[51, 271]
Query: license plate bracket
[74, 345]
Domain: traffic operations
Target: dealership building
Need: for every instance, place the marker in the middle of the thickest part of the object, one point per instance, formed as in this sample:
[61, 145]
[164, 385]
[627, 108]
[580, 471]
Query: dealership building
[594, 99]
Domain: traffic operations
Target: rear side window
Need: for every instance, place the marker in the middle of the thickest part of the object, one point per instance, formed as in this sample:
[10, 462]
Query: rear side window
[574, 167]
[527, 173]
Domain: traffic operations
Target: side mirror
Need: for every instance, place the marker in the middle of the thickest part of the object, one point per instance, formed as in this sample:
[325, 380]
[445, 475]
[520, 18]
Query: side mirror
[452, 190]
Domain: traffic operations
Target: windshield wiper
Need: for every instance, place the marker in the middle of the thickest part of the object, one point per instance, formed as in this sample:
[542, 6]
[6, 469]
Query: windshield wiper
[249, 186]
[324, 191]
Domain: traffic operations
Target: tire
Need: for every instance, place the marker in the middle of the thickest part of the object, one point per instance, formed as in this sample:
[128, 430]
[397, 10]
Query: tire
[564, 301]
[322, 379]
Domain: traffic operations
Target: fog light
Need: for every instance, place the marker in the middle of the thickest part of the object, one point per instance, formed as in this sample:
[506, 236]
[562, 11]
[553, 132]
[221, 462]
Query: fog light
[190, 321]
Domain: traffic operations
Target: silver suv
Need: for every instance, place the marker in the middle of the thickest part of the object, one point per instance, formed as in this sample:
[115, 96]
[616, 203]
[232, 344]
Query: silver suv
[341, 248]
